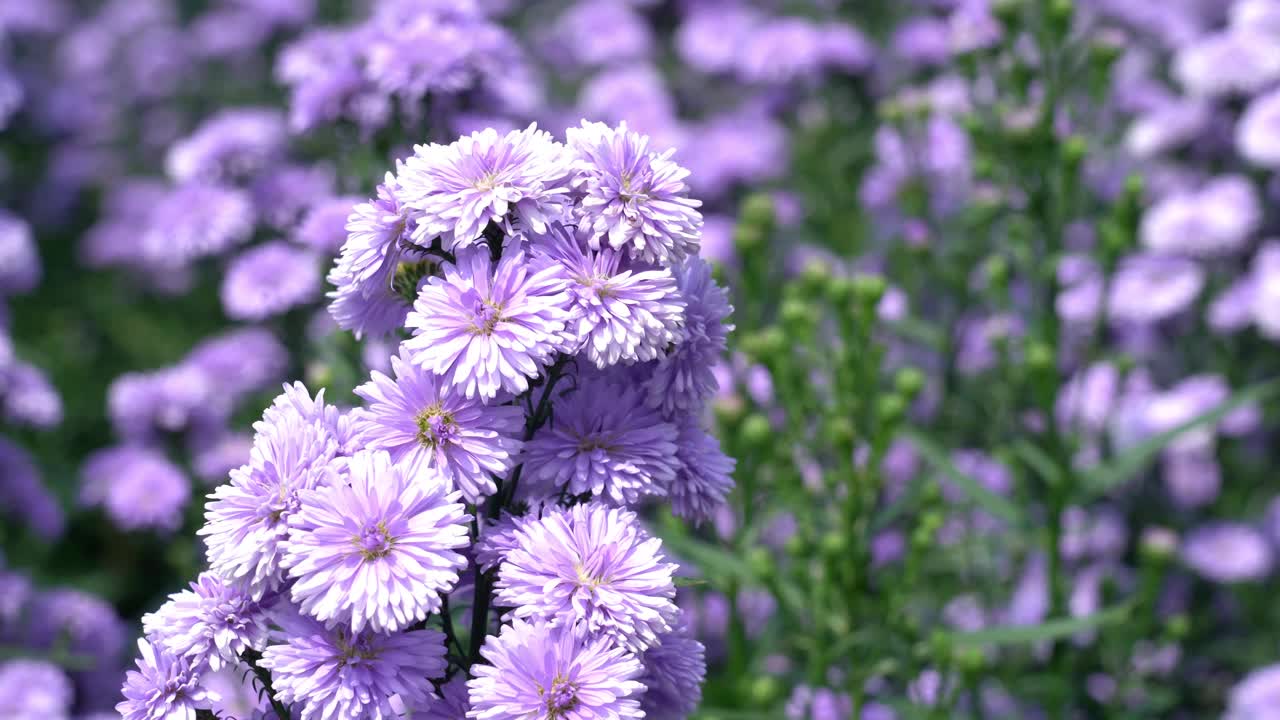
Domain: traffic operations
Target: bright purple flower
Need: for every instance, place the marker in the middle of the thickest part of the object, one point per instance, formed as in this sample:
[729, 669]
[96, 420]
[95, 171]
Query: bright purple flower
[1149, 288]
[296, 404]
[541, 672]
[1265, 302]
[367, 299]
[712, 36]
[1168, 126]
[283, 192]
[635, 92]
[80, 623]
[339, 675]
[490, 328]
[1232, 309]
[704, 478]
[19, 262]
[138, 487]
[27, 397]
[1227, 553]
[1214, 220]
[923, 39]
[683, 379]
[1258, 132]
[246, 520]
[240, 361]
[325, 82]
[1230, 62]
[456, 190]
[195, 220]
[808, 703]
[606, 442]
[674, 670]
[430, 429]
[453, 704]
[599, 32]
[635, 199]
[324, 226]
[34, 690]
[595, 567]
[163, 687]
[1192, 477]
[1256, 696]
[210, 625]
[745, 146]
[625, 313]
[379, 551]
[782, 51]
[268, 280]
[234, 143]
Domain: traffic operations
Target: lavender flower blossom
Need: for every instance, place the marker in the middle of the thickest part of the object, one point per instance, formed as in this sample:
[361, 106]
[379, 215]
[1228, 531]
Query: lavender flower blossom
[703, 480]
[211, 624]
[138, 487]
[268, 280]
[1258, 132]
[163, 686]
[674, 670]
[1227, 553]
[196, 220]
[1229, 62]
[683, 379]
[34, 690]
[19, 263]
[1217, 219]
[595, 567]
[234, 143]
[453, 704]
[366, 300]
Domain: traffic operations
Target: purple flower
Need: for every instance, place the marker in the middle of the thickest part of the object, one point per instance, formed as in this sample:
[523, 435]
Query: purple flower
[1227, 553]
[430, 429]
[1216, 219]
[683, 379]
[782, 51]
[367, 300]
[703, 480]
[296, 404]
[500, 536]
[246, 520]
[1257, 696]
[599, 32]
[1265, 300]
[326, 83]
[490, 328]
[195, 220]
[922, 39]
[808, 703]
[1171, 124]
[634, 198]
[1258, 132]
[1149, 288]
[268, 280]
[674, 670]
[339, 675]
[376, 552]
[210, 625]
[324, 226]
[34, 690]
[624, 313]
[27, 397]
[1192, 477]
[240, 361]
[593, 567]
[163, 686]
[1227, 63]
[453, 704]
[541, 672]
[636, 92]
[212, 458]
[81, 623]
[456, 190]
[138, 487]
[283, 192]
[606, 442]
[712, 36]
[19, 263]
[234, 143]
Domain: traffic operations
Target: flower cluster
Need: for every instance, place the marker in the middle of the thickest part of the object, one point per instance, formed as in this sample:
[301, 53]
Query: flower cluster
[559, 329]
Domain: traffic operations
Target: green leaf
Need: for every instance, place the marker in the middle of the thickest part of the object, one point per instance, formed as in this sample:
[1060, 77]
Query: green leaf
[987, 500]
[1048, 630]
[1038, 460]
[1103, 478]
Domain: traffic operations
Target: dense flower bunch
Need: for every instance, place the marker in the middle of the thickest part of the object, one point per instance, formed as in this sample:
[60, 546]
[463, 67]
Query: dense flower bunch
[559, 330]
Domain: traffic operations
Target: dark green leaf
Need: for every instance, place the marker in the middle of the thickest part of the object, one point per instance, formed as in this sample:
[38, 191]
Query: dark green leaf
[987, 500]
[1048, 630]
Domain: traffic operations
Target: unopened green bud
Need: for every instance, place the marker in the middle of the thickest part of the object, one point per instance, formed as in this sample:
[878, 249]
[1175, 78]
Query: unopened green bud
[758, 211]
[765, 344]
[931, 520]
[755, 430]
[1115, 239]
[1040, 358]
[969, 659]
[839, 431]
[763, 690]
[728, 410]
[815, 276]
[1134, 186]
[748, 238]
[1178, 626]
[891, 408]
[796, 546]
[319, 374]
[909, 381]
[1104, 51]
[1074, 149]
[760, 562]
[841, 290]
[868, 289]
[798, 315]
[835, 545]
[1060, 14]
[997, 269]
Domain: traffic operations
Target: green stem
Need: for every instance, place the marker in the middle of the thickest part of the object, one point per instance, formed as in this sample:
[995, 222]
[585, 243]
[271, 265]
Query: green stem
[251, 657]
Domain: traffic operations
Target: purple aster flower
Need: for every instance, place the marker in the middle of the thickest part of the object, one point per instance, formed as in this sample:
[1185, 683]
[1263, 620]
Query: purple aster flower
[674, 670]
[599, 32]
[744, 146]
[240, 361]
[844, 47]
[34, 690]
[595, 567]
[1227, 62]
[541, 672]
[213, 458]
[19, 263]
[27, 397]
[296, 404]
[163, 686]
[456, 190]
[246, 520]
[210, 625]
[490, 328]
[634, 199]
[234, 143]
[427, 428]
[1258, 132]
[322, 72]
[606, 442]
[268, 280]
[324, 226]
[1216, 219]
[1256, 696]
[500, 536]
[168, 400]
[378, 552]
[80, 623]
[636, 92]
[195, 220]
[367, 299]
[782, 51]
[683, 379]
[703, 480]
[1265, 302]
[1149, 288]
[1192, 477]
[711, 36]
[808, 703]
[138, 487]
[624, 313]
[453, 704]
[923, 39]
[1227, 553]
[339, 675]
[1232, 309]
[282, 193]
[1168, 126]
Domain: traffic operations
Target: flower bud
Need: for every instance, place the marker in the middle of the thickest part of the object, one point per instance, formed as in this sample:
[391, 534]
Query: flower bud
[1040, 358]
[748, 238]
[797, 315]
[835, 545]
[890, 409]
[757, 211]
[1074, 149]
[760, 562]
[755, 430]
[763, 690]
[868, 289]
[909, 381]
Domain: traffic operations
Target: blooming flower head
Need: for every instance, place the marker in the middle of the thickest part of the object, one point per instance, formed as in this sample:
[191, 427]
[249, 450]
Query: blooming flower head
[431, 429]
[544, 672]
[673, 673]
[1217, 219]
[456, 190]
[240, 361]
[324, 226]
[163, 686]
[196, 220]
[683, 378]
[624, 313]
[268, 280]
[489, 328]
[605, 441]
[501, 536]
[19, 263]
[340, 675]
[137, 486]
[635, 199]
[591, 566]
[703, 480]
[1256, 697]
[246, 520]
[379, 551]
[1227, 553]
[210, 624]
[23, 494]
[34, 690]
[453, 704]
[234, 143]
